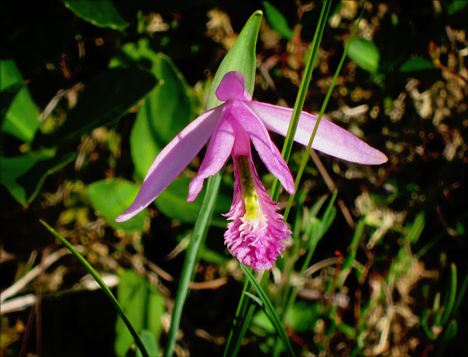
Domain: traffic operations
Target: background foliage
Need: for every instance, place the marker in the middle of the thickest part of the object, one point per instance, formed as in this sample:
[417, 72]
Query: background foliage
[91, 92]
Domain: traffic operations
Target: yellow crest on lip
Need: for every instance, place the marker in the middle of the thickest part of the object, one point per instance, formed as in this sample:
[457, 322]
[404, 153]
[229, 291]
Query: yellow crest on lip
[252, 209]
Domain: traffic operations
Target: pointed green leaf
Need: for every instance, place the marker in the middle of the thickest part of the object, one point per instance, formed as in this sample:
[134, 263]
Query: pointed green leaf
[7, 95]
[99, 13]
[365, 54]
[241, 57]
[416, 63]
[111, 197]
[21, 119]
[276, 20]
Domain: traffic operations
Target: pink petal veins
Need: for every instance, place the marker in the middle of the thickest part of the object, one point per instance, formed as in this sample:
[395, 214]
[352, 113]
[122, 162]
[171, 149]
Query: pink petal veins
[330, 138]
[172, 160]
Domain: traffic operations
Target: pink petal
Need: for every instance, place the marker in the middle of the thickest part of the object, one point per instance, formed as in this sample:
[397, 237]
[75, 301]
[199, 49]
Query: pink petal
[232, 86]
[330, 138]
[266, 149]
[217, 153]
[172, 160]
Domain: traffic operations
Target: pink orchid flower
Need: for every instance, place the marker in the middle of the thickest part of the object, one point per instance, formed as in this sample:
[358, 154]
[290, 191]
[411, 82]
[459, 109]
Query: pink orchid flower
[256, 233]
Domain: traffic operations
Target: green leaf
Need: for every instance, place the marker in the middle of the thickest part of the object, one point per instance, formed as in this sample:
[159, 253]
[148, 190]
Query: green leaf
[300, 317]
[166, 111]
[20, 118]
[7, 95]
[241, 57]
[455, 6]
[172, 202]
[365, 54]
[144, 306]
[24, 175]
[277, 21]
[111, 197]
[416, 63]
[99, 13]
[105, 99]
[150, 342]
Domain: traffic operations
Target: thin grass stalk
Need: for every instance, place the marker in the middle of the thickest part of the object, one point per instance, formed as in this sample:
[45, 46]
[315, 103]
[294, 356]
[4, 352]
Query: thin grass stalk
[301, 95]
[322, 111]
[103, 286]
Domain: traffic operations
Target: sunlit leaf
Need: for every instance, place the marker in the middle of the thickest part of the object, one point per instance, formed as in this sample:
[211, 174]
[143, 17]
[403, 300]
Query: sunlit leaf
[172, 202]
[20, 118]
[99, 13]
[365, 54]
[276, 20]
[111, 197]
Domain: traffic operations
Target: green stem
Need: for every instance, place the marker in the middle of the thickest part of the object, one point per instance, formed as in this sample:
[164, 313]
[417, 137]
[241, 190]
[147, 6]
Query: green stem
[199, 233]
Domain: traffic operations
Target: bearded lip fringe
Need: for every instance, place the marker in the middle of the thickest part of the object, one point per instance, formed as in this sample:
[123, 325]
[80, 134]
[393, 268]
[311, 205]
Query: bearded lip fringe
[256, 232]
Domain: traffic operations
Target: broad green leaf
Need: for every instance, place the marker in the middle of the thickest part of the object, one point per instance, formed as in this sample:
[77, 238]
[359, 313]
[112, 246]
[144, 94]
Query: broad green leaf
[365, 54]
[99, 13]
[455, 6]
[7, 95]
[276, 20]
[9, 74]
[21, 119]
[24, 175]
[172, 202]
[416, 63]
[111, 197]
[241, 57]
[105, 99]
[144, 306]
[150, 342]
[166, 111]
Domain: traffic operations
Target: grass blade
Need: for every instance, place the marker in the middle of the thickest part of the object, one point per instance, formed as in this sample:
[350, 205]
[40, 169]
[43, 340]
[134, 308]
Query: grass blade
[101, 283]
[322, 111]
[270, 311]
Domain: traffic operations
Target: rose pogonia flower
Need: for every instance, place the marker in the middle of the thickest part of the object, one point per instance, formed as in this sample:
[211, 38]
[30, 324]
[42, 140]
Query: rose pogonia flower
[256, 230]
